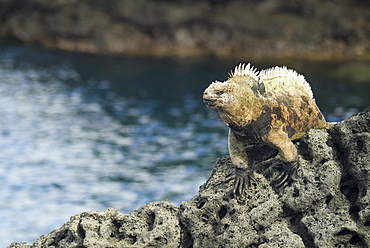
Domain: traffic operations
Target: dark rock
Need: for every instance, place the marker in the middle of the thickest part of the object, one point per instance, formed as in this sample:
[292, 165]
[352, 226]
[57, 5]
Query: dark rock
[327, 205]
[314, 29]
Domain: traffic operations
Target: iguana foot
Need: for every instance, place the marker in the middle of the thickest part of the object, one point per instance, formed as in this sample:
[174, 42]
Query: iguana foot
[288, 174]
[242, 177]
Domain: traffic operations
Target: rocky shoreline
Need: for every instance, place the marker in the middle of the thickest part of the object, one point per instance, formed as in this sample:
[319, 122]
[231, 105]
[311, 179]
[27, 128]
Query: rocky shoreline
[264, 29]
[328, 205]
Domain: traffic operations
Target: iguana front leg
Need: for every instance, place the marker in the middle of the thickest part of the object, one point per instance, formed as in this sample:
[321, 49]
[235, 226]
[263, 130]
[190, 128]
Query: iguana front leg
[288, 153]
[243, 173]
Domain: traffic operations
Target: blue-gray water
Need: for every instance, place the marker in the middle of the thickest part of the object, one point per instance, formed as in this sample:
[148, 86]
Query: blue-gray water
[82, 132]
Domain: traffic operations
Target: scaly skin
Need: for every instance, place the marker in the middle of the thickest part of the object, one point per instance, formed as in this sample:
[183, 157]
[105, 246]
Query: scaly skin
[271, 107]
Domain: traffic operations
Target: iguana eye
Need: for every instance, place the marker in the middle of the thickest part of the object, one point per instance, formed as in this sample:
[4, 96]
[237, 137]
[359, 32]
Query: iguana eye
[219, 92]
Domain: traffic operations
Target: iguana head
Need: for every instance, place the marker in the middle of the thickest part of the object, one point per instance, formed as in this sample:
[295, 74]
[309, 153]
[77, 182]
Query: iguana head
[239, 86]
[234, 97]
[220, 95]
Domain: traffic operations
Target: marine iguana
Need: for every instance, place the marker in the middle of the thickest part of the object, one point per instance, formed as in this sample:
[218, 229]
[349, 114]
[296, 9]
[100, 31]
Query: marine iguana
[271, 107]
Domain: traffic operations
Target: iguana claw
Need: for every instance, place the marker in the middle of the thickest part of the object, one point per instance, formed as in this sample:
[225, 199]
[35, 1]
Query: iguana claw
[288, 174]
[242, 178]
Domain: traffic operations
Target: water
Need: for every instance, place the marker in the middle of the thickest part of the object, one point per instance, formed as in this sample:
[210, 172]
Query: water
[82, 132]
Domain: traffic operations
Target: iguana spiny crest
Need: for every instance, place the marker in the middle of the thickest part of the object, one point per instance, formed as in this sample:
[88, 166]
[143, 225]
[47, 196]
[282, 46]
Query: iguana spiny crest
[272, 107]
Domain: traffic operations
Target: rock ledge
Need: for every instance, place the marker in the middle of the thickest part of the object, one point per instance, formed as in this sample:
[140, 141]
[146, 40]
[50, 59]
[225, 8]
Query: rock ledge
[327, 206]
[315, 29]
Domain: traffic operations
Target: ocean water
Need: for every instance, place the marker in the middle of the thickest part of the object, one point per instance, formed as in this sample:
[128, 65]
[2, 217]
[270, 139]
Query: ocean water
[82, 132]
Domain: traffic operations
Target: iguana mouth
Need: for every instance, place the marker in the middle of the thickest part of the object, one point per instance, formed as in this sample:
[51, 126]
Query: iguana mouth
[209, 102]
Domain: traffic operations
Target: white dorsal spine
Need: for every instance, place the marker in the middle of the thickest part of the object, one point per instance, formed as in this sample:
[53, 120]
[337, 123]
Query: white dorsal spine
[245, 70]
[271, 73]
[275, 72]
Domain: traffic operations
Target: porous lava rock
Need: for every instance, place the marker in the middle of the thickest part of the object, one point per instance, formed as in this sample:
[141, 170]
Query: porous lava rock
[327, 205]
